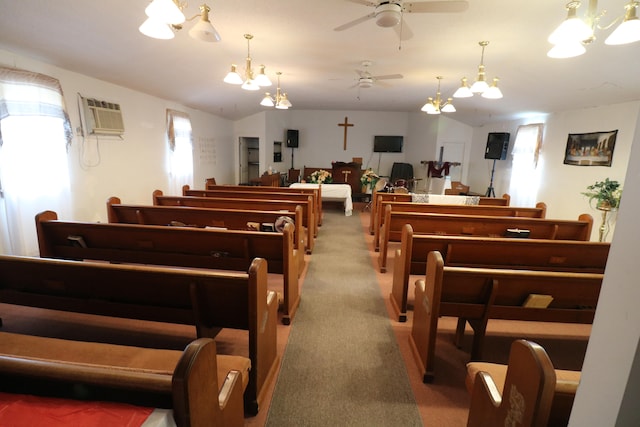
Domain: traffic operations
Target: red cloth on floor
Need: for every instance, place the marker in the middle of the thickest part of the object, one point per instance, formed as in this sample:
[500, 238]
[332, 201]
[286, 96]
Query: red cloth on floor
[20, 410]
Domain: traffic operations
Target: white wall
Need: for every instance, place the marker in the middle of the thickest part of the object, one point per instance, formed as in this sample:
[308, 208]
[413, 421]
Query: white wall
[132, 167]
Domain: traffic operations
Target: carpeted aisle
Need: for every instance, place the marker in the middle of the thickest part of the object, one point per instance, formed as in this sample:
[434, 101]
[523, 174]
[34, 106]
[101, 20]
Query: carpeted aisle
[342, 365]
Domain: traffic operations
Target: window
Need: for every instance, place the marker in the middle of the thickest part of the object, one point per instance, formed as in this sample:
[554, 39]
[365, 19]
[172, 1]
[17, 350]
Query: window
[526, 166]
[181, 151]
[34, 134]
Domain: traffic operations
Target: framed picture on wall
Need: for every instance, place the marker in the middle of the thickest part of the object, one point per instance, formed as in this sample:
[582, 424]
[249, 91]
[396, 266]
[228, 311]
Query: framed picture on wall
[590, 149]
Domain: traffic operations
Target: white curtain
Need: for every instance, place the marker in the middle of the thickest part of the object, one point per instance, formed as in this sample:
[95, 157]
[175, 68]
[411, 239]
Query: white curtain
[181, 151]
[526, 166]
[34, 134]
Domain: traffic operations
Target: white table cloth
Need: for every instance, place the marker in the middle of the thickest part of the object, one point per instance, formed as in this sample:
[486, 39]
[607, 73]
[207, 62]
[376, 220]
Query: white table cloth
[332, 192]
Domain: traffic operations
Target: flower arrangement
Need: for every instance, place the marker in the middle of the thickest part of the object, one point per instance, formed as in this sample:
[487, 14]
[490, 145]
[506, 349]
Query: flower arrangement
[321, 177]
[369, 178]
[606, 193]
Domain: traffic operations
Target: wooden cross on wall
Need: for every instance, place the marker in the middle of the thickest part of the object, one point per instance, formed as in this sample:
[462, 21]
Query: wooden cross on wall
[346, 126]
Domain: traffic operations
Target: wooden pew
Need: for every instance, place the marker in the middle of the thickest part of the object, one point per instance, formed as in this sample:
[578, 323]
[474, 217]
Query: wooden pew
[564, 390]
[315, 192]
[308, 217]
[379, 196]
[206, 299]
[477, 225]
[473, 251]
[526, 397]
[475, 295]
[233, 219]
[194, 378]
[175, 246]
[256, 193]
[483, 210]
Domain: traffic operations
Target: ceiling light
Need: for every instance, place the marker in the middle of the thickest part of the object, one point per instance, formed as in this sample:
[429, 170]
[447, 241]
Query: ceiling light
[280, 101]
[248, 81]
[629, 30]
[435, 106]
[388, 14]
[165, 16]
[570, 38]
[464, 91]
[480, 86]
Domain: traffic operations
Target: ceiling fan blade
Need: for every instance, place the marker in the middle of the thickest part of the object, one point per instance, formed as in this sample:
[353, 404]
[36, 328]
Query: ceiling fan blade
[355, 22]
[387, 77]
[403, 30]
[436, 7]
[364, 2]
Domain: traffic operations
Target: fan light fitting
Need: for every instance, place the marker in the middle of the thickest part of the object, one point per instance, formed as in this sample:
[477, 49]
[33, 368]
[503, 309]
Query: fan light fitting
[571, 36]
[280, 101]
[165, 16]
[480, 86]
[388, 14]
[435, 106]
[249, 81]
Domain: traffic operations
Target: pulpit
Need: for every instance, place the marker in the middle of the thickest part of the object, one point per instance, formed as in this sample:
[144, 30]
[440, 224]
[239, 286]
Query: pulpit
[348, 173]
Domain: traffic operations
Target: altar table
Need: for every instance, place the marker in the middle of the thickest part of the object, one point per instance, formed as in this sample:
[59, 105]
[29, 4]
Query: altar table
[340, 192]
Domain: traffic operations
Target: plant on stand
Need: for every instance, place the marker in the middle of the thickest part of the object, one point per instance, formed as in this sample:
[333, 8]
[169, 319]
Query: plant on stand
[368, 180]
[321, 177]
[606, 195]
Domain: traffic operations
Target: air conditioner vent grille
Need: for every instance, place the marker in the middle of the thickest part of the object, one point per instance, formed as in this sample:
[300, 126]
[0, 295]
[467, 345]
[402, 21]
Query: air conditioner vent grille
[102, 117]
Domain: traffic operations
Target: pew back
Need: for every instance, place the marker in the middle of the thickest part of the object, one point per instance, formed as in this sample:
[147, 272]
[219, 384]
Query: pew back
[475, 295]
[175, 246]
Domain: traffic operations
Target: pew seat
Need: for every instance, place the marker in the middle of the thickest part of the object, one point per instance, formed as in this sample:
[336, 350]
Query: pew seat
[194, 379]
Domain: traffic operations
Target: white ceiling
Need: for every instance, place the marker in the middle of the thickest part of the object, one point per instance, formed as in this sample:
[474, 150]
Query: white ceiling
[297, 37]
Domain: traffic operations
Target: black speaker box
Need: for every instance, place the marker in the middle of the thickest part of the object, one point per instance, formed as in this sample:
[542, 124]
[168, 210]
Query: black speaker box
[497, 146]
[292, 138]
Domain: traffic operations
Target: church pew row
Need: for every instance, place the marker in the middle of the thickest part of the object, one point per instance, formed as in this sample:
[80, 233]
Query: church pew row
[316, 193]
[379, 196]
[174, 246]
[470, 225]
[483, 210]
[247, 193]
[232, 219]
[475, 295]
[206, 299]
[308, 217]
[472, 251]
[194, 379]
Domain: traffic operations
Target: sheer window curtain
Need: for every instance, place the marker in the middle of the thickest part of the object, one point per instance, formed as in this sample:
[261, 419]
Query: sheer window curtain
[526, 166]
[35, 132]
[181, 151]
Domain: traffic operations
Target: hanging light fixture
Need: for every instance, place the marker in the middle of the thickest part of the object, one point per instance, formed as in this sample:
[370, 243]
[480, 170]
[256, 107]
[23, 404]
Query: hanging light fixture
[165, 16]
[280, 101]
[574, 33]
[249, 81]
[480, 86]
[435, 106]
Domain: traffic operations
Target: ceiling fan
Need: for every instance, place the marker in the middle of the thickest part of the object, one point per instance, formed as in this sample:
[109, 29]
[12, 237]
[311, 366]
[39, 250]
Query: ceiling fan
[389, 13]
[366, 79]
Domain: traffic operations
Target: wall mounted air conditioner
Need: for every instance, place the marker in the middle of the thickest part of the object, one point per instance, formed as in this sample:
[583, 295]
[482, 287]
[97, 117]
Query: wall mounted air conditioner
[102, 118]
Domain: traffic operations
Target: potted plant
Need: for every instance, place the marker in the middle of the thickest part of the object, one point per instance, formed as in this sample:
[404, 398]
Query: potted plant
[368, 180]
[606, 194]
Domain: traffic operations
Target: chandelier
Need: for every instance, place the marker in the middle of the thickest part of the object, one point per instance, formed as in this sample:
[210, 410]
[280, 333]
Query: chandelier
[165, 16]
[574, 33]
[249, 81]
[280, 101]
[435, 106]
[480, 86]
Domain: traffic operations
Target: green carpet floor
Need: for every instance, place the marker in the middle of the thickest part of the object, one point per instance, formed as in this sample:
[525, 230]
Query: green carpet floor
[342, 365]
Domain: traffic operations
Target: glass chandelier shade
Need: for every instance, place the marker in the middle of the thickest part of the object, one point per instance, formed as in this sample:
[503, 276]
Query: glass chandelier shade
[436, 106]
[165, 16]
[249, 81]
[280, 101]
[480, 86]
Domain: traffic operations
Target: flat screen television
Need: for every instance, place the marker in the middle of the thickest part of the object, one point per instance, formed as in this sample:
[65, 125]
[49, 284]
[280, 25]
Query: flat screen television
[387, 144]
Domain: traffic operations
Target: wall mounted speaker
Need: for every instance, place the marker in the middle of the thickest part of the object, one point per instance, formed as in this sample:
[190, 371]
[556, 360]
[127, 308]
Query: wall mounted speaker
[497, 146]
[292, 138]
